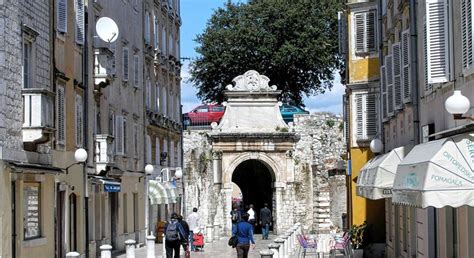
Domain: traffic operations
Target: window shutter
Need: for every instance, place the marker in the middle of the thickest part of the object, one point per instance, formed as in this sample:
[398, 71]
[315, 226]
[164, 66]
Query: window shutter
[467, 33]
[397, 80]
[370, 116]
[360, 32]
[437, 41]
[157, 151]
[359, 108]
[406, 77]
[147, 28]
[61, 15]
[157, 97]
[165, 102]
[124, 138]
[389, 78]
[383, 87]
[156, 33]
[79, 121]
[148, 149]
[428, 85]
[342, 32]
[365, 40]
[346, 116]
[119, 135]
[163, 41]
[136, 70]
[370, 31]
[60, 115]
[80, 22]
[148, 93]
[125, 64]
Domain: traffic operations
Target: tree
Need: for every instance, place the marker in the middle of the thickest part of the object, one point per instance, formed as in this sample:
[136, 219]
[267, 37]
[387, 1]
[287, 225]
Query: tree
[293, 42]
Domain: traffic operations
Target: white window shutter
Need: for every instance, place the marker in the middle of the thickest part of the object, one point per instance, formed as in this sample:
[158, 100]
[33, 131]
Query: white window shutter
[370, 23]
[61, 15]
[125, 64]
[437, 41]
[61, 128]
[119, 135]
[359, 23]
[390, 81]
[136, 64]
[359, 114]
[79, 121]
[428, 86]
[371, 118]
[406, 73]
[383, 87]
[467, 33]
[80, 22]
[147, 28]
[148, 149]
[397, 80]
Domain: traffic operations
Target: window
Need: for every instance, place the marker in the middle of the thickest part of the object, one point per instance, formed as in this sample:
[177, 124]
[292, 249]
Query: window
[406, 73]
[80, 22]
[156, 33]
[111, 123]
[157, 92]
[148, 149]
[365, 24]
[171, 45]
[148, 93]
[125, 64]
[79, 121]
[165, 98]
[365, 116]
[60, 115]
[467, 34]
[119, 135]
[157, 151]
[397, 80]
[202, 109]
[125, 136]
[135, 139]
[383, 89]
[32, 210]
[136, 69]
[73, 234]
[61, 6]
[438, 54]
[163, 41]
[27, 63]
[389, 80]
[147, 28]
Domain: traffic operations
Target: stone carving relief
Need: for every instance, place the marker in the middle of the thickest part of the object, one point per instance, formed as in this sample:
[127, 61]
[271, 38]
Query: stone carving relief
[251, 81]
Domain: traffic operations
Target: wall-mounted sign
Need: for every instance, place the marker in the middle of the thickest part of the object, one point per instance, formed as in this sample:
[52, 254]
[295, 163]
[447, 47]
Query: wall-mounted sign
[112, 187]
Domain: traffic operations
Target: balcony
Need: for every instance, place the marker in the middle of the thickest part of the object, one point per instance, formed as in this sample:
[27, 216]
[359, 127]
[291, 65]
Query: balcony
[104, 151]
[104, 71]
[37, 115]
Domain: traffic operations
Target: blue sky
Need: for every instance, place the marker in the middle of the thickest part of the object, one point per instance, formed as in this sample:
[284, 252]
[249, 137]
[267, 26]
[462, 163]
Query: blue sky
[195, 14]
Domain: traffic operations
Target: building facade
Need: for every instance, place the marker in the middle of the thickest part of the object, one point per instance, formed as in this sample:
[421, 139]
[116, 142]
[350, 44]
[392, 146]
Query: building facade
[359, 45]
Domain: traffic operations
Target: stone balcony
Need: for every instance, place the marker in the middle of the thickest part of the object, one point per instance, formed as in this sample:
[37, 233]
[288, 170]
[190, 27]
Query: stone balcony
[104, 72]
[104, 151]
[38, 119]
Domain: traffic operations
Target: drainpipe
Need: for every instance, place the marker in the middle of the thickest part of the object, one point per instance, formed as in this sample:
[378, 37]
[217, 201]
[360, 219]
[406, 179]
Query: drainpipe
[414, 72]
[85, 69]
[381, 59]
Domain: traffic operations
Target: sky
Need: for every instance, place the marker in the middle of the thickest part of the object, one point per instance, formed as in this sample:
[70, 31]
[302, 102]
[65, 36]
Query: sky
[194, 15]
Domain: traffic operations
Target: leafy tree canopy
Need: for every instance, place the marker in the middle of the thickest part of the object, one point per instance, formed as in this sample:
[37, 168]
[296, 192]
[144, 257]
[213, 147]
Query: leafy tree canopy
[293, 42]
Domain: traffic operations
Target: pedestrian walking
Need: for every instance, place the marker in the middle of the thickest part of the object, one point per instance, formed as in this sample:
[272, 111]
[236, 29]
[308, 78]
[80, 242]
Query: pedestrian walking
[265, 220]
[235, 215]
[193, 220]
[184, 241]
[244, 232]
[174, 234]
[251, 213]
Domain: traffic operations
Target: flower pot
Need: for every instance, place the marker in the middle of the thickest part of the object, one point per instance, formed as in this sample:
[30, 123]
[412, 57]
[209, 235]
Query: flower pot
[357, 253]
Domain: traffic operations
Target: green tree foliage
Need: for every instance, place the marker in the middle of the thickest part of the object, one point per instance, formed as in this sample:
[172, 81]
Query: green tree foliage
[293, 42]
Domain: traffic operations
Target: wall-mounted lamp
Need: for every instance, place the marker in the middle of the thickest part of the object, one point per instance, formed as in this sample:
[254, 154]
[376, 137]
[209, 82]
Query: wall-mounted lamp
[376, 146]
[458, 105]
[80, 156]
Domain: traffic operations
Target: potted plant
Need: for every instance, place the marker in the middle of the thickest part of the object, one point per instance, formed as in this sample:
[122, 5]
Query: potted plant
[357, 239]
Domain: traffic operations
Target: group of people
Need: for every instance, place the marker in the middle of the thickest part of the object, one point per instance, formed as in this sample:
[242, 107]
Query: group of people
[243, 224]
[179, 232]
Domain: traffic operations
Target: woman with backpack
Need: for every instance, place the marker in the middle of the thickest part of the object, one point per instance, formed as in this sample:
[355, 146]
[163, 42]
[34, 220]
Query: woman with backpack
[244, 232]
[174, 236]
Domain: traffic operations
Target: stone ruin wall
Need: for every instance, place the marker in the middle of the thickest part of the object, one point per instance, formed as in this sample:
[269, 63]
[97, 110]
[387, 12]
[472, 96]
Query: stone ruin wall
[317, 198]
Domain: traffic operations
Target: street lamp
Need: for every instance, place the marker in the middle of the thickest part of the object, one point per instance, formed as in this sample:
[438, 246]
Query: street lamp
[80, 155]
[178, 173]
[149, 169]
[376, 146]
[458, 105]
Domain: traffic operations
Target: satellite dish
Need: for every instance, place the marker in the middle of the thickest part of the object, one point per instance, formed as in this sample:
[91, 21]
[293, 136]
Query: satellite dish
[107, 29]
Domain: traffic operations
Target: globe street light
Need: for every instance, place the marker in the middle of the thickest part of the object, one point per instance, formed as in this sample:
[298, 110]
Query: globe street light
[376, 146]
[149, 169]
[458, 105]
[80, 155]
[178, 173]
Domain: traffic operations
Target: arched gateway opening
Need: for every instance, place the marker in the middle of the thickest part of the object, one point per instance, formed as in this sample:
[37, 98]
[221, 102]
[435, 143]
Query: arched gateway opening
[255, 180]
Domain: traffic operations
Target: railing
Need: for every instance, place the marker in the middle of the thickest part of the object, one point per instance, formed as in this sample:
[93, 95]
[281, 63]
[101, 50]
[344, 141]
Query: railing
[104, 151]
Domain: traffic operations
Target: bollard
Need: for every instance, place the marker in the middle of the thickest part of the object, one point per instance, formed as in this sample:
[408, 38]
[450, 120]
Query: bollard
[266, 254]
[106, 251]
[130, 248]
[285, 245]
[274, 247]
[164, 246]
[209, 236]
[150, 246]
[73, 254]
[290, 243]
[281, 251]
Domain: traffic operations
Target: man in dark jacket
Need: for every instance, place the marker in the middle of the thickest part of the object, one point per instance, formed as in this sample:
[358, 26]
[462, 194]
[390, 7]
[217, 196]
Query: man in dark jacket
[185, 226]
[174, 235]
[265, 220]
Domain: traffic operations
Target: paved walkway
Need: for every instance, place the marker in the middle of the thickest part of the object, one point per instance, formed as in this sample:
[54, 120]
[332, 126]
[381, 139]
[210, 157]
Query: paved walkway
[211, 250]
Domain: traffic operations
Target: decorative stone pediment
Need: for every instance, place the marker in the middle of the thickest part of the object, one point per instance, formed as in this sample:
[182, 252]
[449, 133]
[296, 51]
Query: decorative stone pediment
[251, 81]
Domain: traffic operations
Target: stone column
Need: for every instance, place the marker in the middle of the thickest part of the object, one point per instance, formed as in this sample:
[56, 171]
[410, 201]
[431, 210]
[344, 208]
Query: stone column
[217, 166]
[278, 210]
[227, 223]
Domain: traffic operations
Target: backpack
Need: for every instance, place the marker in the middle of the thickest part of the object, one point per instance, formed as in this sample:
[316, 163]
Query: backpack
[235, 216]
[172, 233]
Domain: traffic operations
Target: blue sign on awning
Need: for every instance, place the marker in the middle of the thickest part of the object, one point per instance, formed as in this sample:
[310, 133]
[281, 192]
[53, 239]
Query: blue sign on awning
[112, 187]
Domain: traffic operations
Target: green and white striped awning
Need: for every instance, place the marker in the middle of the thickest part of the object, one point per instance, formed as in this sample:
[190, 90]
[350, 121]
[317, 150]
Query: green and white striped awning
[161, 193]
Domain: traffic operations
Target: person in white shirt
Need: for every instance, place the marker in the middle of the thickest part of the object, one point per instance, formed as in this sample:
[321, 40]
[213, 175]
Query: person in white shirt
[251, 213]
[193, 222]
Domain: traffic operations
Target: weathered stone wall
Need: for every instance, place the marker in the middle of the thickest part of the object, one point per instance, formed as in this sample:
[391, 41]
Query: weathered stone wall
[316, 197]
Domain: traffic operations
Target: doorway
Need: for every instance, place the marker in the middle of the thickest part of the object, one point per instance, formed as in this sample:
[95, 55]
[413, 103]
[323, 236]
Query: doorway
[113, 218]
[59, 221]
[255, 181]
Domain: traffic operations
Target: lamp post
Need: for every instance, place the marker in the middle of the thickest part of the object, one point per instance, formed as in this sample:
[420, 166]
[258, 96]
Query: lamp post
[458, 105]
[148, 171]
[81, 156]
